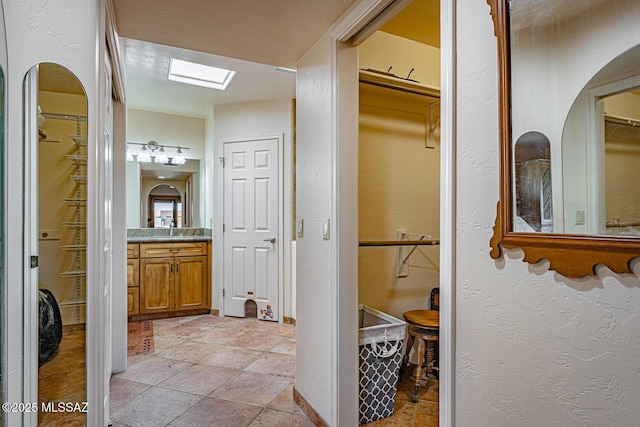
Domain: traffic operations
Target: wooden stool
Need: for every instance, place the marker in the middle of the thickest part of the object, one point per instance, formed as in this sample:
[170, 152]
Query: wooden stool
[424, 325]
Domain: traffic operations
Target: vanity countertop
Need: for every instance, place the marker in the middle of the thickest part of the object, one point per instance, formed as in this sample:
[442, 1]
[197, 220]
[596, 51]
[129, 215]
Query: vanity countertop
[152, 239]
[151, 235]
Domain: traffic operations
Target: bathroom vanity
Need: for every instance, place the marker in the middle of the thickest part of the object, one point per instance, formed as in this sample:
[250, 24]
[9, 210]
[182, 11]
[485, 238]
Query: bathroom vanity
[168, 276]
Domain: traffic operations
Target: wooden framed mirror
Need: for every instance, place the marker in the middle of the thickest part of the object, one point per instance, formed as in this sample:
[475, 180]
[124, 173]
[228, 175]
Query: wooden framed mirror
[569, 91]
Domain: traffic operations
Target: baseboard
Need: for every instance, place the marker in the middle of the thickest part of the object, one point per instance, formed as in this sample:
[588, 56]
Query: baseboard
[308, 409]
[214, 312]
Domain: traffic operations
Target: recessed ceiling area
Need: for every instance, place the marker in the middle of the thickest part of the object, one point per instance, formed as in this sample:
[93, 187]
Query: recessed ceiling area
[147, 86]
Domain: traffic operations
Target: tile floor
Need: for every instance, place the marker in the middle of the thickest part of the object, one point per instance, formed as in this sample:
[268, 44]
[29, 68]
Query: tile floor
[210, 371]
[213, 371]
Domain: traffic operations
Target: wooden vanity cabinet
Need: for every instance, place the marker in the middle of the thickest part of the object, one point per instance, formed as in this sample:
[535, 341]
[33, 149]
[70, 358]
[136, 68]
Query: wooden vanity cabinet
[173, 277]
[133, 279]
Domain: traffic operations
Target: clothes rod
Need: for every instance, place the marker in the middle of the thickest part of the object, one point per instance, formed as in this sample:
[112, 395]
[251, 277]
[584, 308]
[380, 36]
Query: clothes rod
[64, 117]
[369, 243]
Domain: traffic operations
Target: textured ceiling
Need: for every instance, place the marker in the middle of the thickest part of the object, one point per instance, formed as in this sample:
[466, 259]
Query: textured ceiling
[274, 32]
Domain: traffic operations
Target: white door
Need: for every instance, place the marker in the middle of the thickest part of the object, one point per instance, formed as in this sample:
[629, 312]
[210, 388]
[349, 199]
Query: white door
[251, 218]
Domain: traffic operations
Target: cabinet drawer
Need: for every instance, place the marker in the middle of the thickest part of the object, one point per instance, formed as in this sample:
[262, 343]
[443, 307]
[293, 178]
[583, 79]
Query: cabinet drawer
[163, 250]
[133, 250]
[133, 301]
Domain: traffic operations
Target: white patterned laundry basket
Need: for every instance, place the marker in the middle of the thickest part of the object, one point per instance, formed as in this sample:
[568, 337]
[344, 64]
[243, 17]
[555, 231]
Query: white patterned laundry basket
[380, 339]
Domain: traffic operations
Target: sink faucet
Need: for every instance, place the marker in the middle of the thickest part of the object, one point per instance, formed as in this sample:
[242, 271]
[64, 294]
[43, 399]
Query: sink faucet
[171, 229]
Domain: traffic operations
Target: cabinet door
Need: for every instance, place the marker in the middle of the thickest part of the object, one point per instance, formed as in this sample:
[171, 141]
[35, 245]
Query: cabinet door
[133, 301]
[191, 282]
[156, 285]
[133, 273]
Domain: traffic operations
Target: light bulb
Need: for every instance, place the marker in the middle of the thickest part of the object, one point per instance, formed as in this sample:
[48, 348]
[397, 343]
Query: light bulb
[179, 159]
[143, 155]
[161, 157]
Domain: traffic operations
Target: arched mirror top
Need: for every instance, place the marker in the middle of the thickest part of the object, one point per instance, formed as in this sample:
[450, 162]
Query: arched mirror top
[569, 93]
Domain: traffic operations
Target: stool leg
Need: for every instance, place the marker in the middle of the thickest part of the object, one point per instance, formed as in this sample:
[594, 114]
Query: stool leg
[405, 359]
[430, 357]
[417, 372]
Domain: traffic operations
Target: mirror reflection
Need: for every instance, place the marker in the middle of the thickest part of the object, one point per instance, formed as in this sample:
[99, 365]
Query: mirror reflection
[622, 157]
[178, 186]
[575, 73]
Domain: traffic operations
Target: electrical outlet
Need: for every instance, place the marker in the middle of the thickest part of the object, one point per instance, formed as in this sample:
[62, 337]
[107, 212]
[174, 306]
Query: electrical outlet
[579, 217]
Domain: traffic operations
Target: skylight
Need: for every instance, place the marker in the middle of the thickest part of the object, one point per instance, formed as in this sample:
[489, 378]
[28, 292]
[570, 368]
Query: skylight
[199, 75]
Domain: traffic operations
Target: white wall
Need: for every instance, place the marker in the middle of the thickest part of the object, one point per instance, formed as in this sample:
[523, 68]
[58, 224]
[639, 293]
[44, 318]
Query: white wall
[170, 129]
[248, 120]
[70, 33]
[532, 347]
[314, 299]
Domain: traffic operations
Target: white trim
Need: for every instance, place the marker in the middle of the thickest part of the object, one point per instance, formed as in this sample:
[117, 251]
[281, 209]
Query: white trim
[357, 18]
[113, 42]
[30, 244]
[448, 165]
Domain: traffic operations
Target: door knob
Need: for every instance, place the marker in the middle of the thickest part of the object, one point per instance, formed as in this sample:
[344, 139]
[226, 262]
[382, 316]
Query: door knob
[272, 240]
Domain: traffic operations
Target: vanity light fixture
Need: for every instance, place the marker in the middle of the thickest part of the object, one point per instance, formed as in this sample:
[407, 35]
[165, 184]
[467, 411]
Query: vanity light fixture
[154, 152]
[199, 74]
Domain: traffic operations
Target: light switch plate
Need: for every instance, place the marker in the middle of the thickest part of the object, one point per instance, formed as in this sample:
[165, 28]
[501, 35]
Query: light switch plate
[299, 227]
[326, 229]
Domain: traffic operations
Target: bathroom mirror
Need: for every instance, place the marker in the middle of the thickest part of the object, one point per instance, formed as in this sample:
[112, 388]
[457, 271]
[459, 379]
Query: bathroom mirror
[147, 181]
[569, 106]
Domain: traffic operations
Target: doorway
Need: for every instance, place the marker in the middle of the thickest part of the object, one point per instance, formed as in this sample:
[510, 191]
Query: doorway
[252, 227]
[165, 207]
[56, 177]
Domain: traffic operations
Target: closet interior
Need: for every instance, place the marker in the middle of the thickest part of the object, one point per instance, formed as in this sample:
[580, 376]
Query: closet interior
[399, 183]
[62, 238]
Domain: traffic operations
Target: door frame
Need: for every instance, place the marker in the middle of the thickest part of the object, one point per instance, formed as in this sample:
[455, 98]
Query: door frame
[219, 243]
[363, 16]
